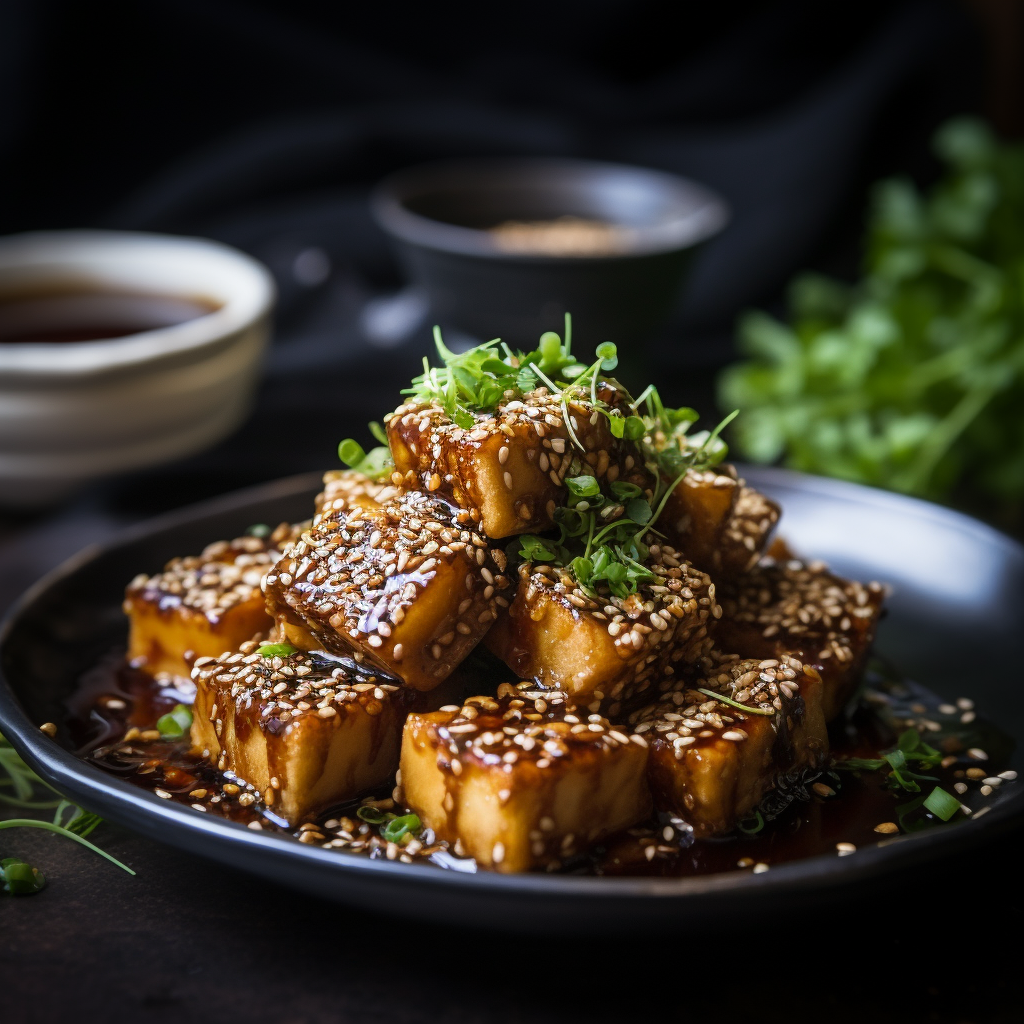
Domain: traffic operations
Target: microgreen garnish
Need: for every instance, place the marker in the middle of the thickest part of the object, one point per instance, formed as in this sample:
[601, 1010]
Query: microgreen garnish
[376, 463]
[737, 704]
[175, 723]
[69, 820]
[599, 535]
[276, 650]
[909, 748]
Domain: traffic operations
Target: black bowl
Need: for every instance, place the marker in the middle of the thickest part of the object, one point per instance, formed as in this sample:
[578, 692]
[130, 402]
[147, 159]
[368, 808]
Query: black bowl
[954, 621]
[439, 216]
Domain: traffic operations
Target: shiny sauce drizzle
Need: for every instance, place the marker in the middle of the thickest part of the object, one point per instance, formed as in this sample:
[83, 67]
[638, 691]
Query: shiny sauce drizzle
[112, 716]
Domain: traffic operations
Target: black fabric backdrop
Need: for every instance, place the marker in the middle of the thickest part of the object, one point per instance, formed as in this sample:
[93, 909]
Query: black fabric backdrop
[264, 125]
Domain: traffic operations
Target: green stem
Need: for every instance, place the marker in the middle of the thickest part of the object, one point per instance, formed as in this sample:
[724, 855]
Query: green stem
[50, 827]
[941, 439]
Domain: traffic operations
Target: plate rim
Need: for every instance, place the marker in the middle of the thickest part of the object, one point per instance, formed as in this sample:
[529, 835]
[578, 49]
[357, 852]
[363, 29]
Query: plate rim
[175, 824]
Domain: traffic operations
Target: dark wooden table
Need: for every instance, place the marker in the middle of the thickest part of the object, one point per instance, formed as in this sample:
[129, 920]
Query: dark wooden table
[190, 941]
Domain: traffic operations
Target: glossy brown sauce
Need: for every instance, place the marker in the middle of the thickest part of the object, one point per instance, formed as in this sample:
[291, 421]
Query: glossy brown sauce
[113, 697]
[61, 316]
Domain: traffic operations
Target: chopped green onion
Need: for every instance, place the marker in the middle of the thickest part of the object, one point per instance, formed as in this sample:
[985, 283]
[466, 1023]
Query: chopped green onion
[259, 530]
[942, 804]
[751, 826]
[19, 878]
[175, 723]
[276, 650]
[372, 815]
[396, 828]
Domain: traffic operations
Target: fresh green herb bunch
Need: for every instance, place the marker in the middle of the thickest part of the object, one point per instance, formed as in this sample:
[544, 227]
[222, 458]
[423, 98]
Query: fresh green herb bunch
[912, 379]
[20, 787]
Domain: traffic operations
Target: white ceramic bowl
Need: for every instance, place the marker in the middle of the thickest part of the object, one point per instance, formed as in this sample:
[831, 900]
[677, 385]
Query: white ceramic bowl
[71, 412]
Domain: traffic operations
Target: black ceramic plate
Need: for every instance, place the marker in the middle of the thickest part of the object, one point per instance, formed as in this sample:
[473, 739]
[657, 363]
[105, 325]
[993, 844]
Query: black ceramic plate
[955, 613]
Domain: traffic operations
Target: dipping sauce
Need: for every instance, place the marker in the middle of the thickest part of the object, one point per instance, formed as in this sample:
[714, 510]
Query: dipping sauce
[563, 236]
[60, 316]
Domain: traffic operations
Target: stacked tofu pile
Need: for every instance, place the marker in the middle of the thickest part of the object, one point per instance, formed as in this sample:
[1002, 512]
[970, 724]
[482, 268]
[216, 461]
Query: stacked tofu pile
[692, 695]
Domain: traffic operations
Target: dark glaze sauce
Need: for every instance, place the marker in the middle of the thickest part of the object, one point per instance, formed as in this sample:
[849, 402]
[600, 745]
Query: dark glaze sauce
[113, 699]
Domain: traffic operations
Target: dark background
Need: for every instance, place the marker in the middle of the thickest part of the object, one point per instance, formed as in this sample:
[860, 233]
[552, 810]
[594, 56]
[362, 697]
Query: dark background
[264, 125]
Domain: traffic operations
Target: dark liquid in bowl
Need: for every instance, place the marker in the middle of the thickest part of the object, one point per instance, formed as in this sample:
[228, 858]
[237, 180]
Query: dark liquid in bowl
[60, 317]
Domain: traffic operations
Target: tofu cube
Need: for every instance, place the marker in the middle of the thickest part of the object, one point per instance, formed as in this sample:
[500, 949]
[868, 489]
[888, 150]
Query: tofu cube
[788, 607]
[409, 585]
[308, 731]
[696, 513]
[522, 780]
[719, 523]
[509, 468]
[201, 605]
[607, 653]
[712, 763]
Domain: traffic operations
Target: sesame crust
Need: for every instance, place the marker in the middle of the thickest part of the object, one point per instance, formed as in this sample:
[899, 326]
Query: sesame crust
[303, 684]
[524, 723]
[410, 585]
[226, 574]
[527, 440]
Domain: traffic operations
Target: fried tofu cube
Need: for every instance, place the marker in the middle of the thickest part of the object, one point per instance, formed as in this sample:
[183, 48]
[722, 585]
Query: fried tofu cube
[606, 652]
[718, 522]
[788, 607]
[510, 467]
[201, 605]
[696, 512]
[522, 780]
[306, 730]
[712, 763]
[410, 585]
[347, 489]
